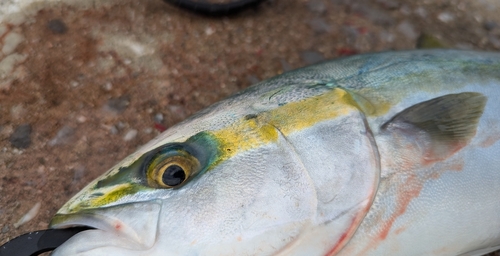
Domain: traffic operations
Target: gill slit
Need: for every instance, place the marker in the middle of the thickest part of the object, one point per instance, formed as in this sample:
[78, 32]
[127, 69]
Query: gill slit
[288, 248]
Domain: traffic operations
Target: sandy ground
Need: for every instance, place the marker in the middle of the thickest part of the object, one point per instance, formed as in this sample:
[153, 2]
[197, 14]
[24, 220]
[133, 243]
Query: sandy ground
[83, 86]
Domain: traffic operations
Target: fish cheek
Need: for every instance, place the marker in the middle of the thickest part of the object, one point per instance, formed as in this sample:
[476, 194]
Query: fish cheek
[256, 201]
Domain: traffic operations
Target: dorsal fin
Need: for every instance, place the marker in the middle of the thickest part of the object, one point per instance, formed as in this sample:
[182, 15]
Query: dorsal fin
[450, 122]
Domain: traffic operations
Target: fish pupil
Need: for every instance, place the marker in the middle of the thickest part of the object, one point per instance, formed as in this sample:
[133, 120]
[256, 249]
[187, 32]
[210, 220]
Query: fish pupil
[173, 175]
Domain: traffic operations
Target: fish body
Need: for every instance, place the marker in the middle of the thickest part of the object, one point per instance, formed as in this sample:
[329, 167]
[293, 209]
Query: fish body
[391, 153]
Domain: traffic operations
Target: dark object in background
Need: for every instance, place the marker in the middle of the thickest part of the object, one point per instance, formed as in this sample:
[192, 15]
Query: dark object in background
[21, 137]
[37, 242]
[215, 9]
[57, 26]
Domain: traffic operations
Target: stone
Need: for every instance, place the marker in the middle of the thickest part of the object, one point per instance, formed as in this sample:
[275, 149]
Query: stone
[21, 137]
[57, 26]
[11, 41]
[130, 135]
[63, 136]
[118, 105]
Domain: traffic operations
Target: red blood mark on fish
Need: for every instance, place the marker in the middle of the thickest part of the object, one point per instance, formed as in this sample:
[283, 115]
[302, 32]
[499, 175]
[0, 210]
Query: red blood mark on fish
[340, 243]
[118, 226]
[353, 226]
[411, 188]
[442, 152]
[346, 236]
[490, 140]
[408, 184]
[406, 193]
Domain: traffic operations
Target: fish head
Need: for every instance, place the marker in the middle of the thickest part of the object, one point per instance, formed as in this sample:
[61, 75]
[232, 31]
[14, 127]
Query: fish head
[298, 178]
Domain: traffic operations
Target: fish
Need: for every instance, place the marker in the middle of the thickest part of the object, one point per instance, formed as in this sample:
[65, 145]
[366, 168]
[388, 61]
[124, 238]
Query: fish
[392, 153]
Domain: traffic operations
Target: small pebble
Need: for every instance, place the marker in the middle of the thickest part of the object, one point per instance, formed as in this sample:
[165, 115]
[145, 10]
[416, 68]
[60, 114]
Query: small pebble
[57, 26]
[21, 138]
[118, 105]
[209, 31]
[29, 215]
[5, 229]
[420, 11]
[62, 136]
[73, 83]
[17, 151]
[113, 130]
[108, 86]
[158, 118]
[17, 111]
[41, 170]
[311, 57]
[120, 125]
[445, 17]
[7, 65]
[177, 111]
[78, 173]
[130, 135]
[81, 119]
[11, 41]
[490, 25]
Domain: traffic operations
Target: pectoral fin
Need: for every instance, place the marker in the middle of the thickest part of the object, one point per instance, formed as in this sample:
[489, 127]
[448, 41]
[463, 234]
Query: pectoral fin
[446, 123]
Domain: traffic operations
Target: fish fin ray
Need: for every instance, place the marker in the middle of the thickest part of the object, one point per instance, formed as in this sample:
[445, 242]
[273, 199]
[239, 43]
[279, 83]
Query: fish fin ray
[450, 117]
[449, 121]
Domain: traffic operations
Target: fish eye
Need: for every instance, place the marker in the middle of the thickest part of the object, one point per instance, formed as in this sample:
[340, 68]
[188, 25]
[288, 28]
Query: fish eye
[171, 171]
[173, 175]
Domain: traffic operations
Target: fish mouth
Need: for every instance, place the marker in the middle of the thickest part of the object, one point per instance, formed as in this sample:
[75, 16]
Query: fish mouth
[129, 226]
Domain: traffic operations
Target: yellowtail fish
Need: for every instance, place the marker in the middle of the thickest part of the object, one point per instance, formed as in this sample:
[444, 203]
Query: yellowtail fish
[392, 153]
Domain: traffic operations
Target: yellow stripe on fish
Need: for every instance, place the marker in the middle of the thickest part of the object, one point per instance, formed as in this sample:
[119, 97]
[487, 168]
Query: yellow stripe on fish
[254, 131]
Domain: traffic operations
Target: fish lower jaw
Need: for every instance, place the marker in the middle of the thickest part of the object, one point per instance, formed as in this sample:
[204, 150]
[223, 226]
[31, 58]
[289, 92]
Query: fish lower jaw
[113, 228]
[131, 226]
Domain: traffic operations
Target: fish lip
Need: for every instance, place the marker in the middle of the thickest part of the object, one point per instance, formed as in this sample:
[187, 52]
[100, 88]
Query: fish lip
[99, 220]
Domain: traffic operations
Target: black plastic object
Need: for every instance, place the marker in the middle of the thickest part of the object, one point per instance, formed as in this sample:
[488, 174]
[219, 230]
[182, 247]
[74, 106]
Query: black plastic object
[37, 242]
[214, 9]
